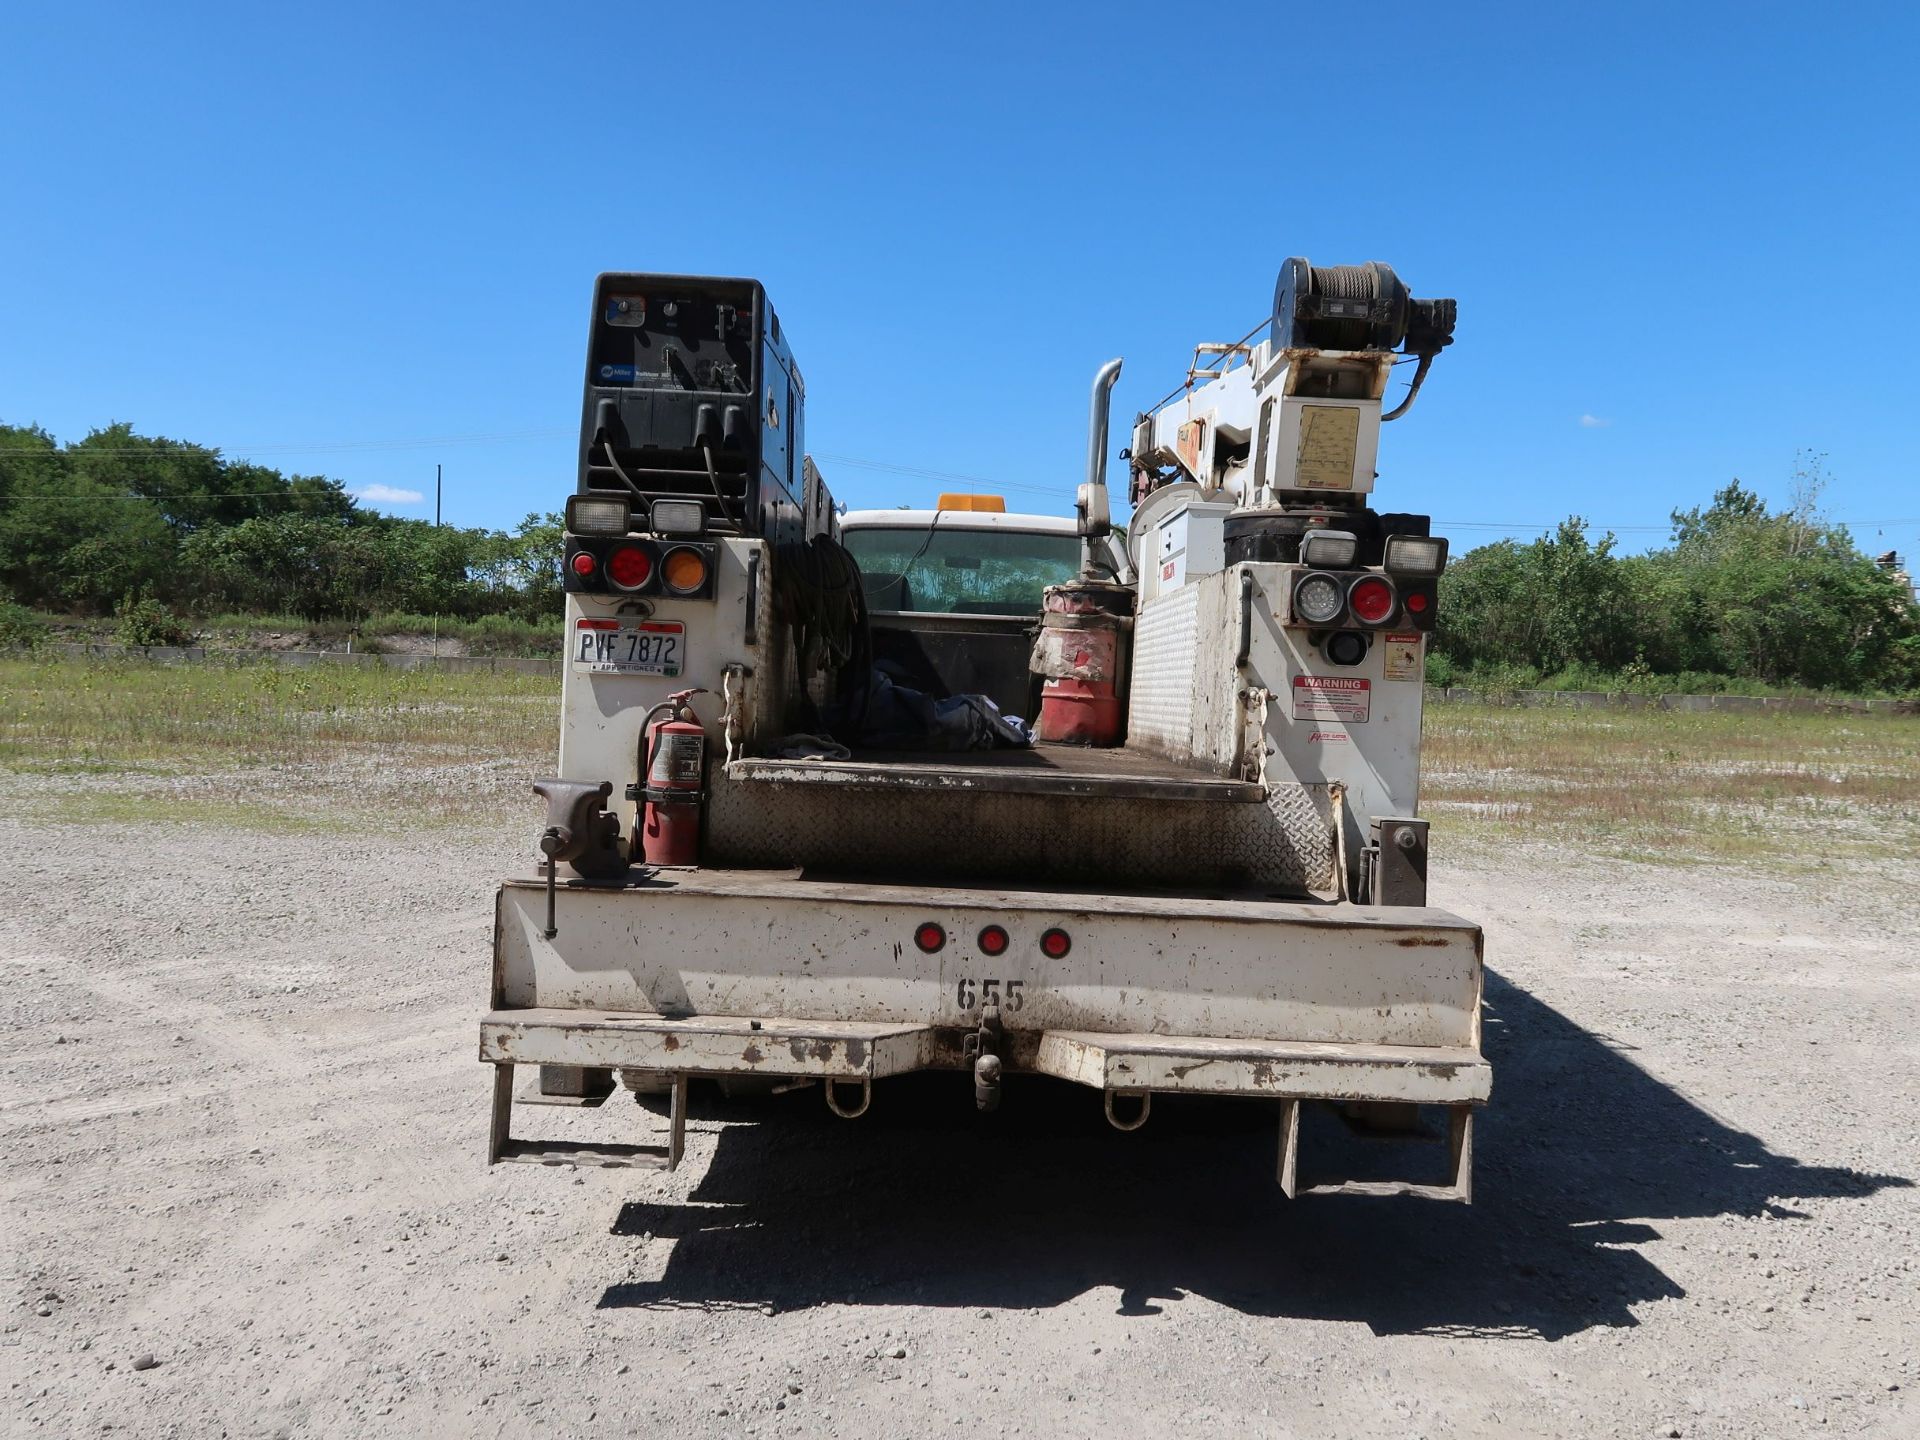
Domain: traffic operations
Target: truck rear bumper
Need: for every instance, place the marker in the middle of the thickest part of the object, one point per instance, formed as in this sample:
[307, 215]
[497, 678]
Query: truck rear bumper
[841, 983]
[842, 1053]
[856, 1051]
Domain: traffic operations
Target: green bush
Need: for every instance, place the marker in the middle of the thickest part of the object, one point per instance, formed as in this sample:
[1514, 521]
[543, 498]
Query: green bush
[1775, 600]
[144, 621]
[20, 628]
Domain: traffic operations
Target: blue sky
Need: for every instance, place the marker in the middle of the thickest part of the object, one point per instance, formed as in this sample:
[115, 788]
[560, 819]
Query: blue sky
[357, 240]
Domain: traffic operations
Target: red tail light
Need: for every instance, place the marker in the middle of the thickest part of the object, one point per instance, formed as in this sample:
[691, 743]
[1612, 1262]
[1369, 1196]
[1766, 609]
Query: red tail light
[1417, 603]
[1055, 944]
[629, 567]
[930, 937]
[993, 941]
[584, 563]
[1371, 600]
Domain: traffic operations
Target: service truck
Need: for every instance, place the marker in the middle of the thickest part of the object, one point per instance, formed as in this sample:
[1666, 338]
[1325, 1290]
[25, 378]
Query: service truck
[845, 797]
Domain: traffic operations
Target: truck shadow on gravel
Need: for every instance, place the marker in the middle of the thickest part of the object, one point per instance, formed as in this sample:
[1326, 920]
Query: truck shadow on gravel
[925, 1202]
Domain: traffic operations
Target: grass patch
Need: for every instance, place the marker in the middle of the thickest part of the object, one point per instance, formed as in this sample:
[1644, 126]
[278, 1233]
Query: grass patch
[1669, 786]
[489, 635]
[114, 712]
[265, 747]
[493, 635]
[268, 747]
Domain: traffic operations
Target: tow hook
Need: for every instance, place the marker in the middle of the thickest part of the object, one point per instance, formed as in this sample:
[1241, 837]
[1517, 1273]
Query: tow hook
[982, 1047]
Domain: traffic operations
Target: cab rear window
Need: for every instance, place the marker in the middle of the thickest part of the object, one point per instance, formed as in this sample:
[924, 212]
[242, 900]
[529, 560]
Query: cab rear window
[949, 570]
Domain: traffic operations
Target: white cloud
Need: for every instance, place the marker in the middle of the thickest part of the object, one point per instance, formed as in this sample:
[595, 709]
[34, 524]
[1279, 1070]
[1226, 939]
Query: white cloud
[387, 495]
[1593, 422]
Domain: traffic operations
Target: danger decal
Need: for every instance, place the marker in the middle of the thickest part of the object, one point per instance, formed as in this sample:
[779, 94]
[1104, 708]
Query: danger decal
[1400, 656]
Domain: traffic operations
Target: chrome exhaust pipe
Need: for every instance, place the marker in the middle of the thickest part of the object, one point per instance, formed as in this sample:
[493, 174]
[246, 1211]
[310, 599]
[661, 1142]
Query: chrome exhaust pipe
[1096, 516]
[1097, 419]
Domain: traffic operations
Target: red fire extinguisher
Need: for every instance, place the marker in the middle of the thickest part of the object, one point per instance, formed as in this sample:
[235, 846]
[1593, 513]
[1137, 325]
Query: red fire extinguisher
[676, 750]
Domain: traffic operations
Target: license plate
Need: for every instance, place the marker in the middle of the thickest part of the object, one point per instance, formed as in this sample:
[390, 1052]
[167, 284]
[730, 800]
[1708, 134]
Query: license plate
[629, 647]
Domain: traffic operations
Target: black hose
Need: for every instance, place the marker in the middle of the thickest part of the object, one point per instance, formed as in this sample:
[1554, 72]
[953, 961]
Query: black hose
[1413, 389]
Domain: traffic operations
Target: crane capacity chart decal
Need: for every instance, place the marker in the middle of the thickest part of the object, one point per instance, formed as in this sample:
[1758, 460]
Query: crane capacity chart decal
[1332, 697]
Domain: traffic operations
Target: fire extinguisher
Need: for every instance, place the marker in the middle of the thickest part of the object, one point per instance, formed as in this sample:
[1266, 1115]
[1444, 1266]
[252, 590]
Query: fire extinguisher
[676, 750]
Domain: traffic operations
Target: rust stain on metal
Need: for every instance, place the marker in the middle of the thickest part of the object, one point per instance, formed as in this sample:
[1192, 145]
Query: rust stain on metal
[1414, 942]
[804, 1050]
[752, 1055]
[670, 1041]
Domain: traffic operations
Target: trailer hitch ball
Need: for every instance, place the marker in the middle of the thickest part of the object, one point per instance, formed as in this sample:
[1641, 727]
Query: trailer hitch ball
[986, 1082]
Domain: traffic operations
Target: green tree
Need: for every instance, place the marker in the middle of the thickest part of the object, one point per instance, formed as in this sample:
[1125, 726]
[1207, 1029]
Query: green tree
[523, 569]
[69, 539]
[1781, 596]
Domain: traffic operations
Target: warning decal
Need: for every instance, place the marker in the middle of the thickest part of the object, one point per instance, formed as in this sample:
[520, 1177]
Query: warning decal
[1401, 655]
[1331, 697]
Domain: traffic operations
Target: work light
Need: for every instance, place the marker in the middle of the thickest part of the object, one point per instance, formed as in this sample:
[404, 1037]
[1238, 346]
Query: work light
[679, 517]
[592, 514]
[1328, 549]
[1416, 554]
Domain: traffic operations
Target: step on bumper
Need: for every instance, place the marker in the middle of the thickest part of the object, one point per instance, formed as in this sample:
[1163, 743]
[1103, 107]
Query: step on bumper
[838, 1053]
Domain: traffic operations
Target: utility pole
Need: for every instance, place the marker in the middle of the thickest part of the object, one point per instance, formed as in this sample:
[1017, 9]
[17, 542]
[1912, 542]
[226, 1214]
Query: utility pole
[436, 496]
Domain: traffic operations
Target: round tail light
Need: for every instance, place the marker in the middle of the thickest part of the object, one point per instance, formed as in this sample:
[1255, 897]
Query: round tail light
[684, 570]
[993, 941]
[1371, 599]
[584, 563]
[1316, 599]
[1055, 943]
[629, 567]
[1417, 603]
[930, 937]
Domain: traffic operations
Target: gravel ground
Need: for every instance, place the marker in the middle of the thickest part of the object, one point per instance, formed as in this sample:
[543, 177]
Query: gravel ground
[244, 1193]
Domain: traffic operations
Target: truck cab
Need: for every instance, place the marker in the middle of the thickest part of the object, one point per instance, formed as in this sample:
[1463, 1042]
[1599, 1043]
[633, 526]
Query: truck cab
[1220, 889]
[954, 593]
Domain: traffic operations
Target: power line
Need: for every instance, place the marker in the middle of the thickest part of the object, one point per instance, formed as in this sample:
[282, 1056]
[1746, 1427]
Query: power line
[855, 461]
[171, 499]
[306, 447]
[920, 473]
